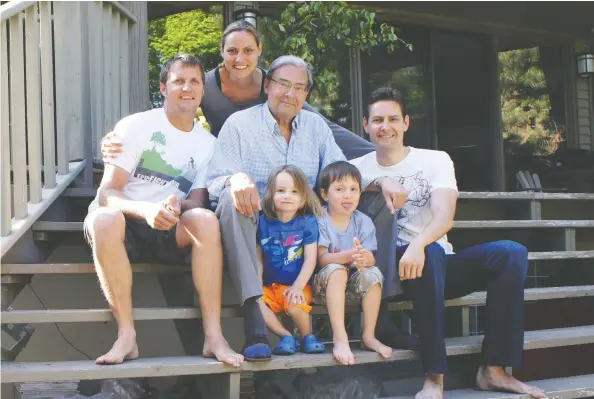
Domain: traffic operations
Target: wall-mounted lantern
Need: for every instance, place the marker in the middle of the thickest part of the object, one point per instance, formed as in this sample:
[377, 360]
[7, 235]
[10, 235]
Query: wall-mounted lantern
[248, 14]
[585, 64]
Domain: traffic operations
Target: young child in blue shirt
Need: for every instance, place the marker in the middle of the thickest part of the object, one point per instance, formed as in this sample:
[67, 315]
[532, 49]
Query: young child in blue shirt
[287, 252]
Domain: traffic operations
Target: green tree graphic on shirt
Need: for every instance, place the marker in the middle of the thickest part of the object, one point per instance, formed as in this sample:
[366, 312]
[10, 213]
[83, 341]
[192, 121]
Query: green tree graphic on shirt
[158, 138]
[152, 159]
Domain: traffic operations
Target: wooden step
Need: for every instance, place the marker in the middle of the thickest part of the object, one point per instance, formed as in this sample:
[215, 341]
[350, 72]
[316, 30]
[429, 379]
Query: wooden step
[484, 195]
[559, 388]
[524, 195]
[169, 313]
[461, 224]
[193, 365]
[85, 268]
[521, 224]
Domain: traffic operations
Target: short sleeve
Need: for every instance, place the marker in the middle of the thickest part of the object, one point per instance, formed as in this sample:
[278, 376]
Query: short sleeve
[129, 157]
[443, 173]
[324, 234]
[367, 233]
[311, 231]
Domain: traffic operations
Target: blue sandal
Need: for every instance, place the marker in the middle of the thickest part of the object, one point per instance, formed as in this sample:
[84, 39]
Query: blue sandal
[287, 346]
[257, 349]
[311, 344]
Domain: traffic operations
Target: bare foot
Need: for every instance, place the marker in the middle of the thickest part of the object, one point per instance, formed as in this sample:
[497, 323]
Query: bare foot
[124, 348]
[342, 353]
[373, 344]
[217, 347]
[496, 379]
[432, 388]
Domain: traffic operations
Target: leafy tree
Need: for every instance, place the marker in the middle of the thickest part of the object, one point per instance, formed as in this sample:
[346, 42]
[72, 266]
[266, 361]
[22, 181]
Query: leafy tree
[320, 32]
[197, 32]
[528, 123]
[158, 138]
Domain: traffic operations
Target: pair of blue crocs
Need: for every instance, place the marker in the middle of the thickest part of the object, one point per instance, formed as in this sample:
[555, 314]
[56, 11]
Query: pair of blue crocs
[288, 345]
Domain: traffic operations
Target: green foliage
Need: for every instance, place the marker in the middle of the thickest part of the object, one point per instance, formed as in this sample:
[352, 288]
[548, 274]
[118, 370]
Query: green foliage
[196, 32]
[151, 159]
[528, 124]
[320, 32]
[158, 138]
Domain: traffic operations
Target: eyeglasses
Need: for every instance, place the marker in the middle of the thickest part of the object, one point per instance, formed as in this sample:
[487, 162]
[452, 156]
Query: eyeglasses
[286, 86]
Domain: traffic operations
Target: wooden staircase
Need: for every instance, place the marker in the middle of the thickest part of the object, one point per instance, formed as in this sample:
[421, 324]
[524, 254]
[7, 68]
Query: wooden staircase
[557, 229]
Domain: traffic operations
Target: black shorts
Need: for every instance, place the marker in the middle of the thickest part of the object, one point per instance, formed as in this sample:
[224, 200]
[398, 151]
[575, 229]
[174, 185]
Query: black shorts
[147, 245]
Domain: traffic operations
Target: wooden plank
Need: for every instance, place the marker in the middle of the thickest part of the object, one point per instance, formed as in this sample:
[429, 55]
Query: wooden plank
[124, 11]
[33, 103]
[20, 227]
[124, 69]
[85, 268]
[107, 69]
[194, 365]
[96, 71]
[558, 388]
[47, 96]
[17, 117]
[5, 189]
[463, 224]
[561, 255]
[12, 8]
[177, 313]
[507, 224]
[468, 195]
[523, 195]
[67, 77]
[115, 67]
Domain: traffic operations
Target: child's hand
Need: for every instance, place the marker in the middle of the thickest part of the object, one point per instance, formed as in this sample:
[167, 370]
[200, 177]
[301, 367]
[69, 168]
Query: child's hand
[294, 296]
[359, 261]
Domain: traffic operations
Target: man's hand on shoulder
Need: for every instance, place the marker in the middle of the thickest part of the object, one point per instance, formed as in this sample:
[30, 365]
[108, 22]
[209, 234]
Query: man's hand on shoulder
[163, 215]
[394, 193]
[412, 262]
[245, 194]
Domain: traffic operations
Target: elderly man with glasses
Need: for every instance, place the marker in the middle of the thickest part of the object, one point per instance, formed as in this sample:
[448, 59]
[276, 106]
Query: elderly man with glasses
[250, 145]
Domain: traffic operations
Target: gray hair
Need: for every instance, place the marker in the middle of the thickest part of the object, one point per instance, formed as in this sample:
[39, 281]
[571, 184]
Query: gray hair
[291, 60]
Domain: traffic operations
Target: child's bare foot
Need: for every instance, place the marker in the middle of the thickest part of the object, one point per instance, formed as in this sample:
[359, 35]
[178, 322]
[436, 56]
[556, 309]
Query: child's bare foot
[496, 379]
[124, 348]
[373, 344]
[342, 353]
[432, 388]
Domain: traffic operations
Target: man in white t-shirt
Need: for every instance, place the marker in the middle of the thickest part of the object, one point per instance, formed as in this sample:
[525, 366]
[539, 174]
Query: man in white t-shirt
[150, 207]
[428, 270]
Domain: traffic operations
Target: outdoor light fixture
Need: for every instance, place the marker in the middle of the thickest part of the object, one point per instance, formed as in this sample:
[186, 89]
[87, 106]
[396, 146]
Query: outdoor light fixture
[248, 14]
[585, 64]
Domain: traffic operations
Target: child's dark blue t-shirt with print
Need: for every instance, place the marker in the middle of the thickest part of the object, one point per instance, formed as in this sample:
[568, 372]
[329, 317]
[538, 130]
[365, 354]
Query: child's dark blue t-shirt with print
[283, 247]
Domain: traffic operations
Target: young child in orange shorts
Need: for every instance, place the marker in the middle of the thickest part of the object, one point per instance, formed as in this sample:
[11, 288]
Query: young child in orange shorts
[287, 253]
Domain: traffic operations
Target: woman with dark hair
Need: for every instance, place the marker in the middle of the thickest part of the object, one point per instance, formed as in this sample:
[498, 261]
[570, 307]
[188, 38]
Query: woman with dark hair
[238, 83]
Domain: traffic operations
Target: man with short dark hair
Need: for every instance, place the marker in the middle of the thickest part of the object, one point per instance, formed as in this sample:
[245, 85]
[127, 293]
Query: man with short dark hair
[428, 271]
[150, 208]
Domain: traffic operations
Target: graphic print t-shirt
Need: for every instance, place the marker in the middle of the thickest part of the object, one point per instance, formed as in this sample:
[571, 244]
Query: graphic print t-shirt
[421, 172]
[161, 159]
[283, 247]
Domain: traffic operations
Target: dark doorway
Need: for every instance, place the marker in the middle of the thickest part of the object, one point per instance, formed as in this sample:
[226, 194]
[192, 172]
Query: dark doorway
[462, 103]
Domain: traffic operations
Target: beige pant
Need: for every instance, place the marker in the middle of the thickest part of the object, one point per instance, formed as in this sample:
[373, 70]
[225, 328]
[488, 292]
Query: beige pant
[358, 283]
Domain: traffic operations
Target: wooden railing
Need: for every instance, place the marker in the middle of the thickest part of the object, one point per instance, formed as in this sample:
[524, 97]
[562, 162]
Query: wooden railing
[64, 71]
